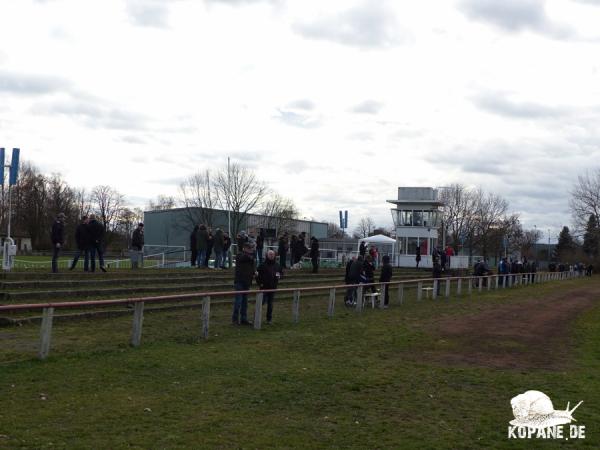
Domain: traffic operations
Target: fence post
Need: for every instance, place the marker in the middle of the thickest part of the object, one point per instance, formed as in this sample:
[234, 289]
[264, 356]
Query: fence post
[138, 320]
[258, 311]
[435, 288]
[480, 284]
[458, 287]
[447, 294]
[489, 282]
[296, 307]
[359, 299]
[470, 289]
[46, 332]
[382, 290]
[205, 317]
[401, 293]
[331, 307]
[419, 291]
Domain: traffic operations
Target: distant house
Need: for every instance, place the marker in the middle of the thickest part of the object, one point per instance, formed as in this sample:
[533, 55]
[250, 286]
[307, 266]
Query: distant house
[23, 243]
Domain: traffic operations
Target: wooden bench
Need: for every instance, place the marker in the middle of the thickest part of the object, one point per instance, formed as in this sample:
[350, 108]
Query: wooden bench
[427, 291]
[371, 296]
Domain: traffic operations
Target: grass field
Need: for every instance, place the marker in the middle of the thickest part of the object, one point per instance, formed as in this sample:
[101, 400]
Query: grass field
[435, 374]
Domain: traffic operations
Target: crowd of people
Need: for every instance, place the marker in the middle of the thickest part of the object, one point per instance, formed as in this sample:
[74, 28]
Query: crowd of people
[89, 237]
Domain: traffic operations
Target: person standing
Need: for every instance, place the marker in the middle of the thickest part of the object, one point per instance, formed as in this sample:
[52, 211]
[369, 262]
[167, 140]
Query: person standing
[354, 275]
[418, 255]
[96, 230]
[202, 245]
[57, 237]
[137, 246]
[244, 272]
[194, 245]
[226, 249]
[362, 249]
[449, 255]
[218, 248]
[386, 277]
[314, 254]
[82, 239]
[282, 249]
[260, 245]
[268, 274]
[209, 246]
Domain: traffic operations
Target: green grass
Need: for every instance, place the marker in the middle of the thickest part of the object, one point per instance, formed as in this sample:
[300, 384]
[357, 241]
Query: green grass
[355, 381]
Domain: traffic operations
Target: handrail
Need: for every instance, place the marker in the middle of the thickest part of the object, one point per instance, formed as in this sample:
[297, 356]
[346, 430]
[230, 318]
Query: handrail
[179, 297]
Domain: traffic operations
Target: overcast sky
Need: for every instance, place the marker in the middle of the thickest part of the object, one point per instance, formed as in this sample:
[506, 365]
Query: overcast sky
[334, 103]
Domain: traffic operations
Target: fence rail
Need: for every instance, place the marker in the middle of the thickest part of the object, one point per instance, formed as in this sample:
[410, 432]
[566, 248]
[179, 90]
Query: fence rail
[428, 286]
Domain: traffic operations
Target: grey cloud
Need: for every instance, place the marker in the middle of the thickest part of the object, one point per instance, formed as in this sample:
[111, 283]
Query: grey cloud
[92, 114]
[515, 16]
[240, 2]
[297, 120]
[361, 136]
[302, 104]
[148, 13]
[501, 104]
[370, 25]
[25, 84]
[132, 140]
[367, 107]
[296, 166]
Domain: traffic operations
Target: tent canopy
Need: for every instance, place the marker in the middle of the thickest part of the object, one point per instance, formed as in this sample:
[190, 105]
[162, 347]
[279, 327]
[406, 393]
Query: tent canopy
[377, 239]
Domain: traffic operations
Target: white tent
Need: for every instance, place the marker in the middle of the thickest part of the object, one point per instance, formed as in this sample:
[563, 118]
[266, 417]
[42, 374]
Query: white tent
[380, 239]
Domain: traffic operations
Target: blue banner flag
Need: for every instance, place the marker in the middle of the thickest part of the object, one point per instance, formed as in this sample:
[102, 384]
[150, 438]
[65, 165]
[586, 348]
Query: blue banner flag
[341, 220]
[2, 161]
[346, 219]
[14, 167]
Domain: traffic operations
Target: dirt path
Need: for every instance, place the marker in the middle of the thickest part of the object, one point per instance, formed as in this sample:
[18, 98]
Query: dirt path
[531, 334]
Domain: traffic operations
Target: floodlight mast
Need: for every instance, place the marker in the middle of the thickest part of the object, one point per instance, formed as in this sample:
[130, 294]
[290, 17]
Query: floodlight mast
[9, 245]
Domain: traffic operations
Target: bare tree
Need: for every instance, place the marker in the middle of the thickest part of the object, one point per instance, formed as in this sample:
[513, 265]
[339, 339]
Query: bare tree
[162, 203]
[489, 214]
[365, 228]
[458, 214]
[239, 191]
[334, 231]
[108, 204]
[279, 213]
[82, 200]
[585, 199]
[199, 198]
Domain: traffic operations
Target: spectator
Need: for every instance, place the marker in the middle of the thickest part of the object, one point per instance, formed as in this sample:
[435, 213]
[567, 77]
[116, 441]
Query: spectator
[82, 239]
[282, 249]
[348, 280]
[355, 272]
[194, 244]
[418, 255]
[294, 250]
[369, 273]
[202, 245]
[314, 254]
[449, 253]
[268, 274]
[209, 246]
[386, 277]
[218, 243]
[241, 239]
[58, 239]
[362, 249]
[244, 272]
[226, 249]
[260, 245]
[96, 230]
[137, 246]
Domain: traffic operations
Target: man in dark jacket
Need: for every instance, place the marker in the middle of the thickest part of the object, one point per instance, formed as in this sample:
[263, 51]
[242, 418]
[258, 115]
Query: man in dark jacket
[218, 243]
[202, 245]
[58, 239]
[82, 239]
[96, 230]
[268, 275]
[226, 249]
[210, 242]
[194, 245]
[282, 249]
[314, 254]
[244, 272]
[137, 246]
[260, 245]
[386, 277]
[362, 249]
[356, 269]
